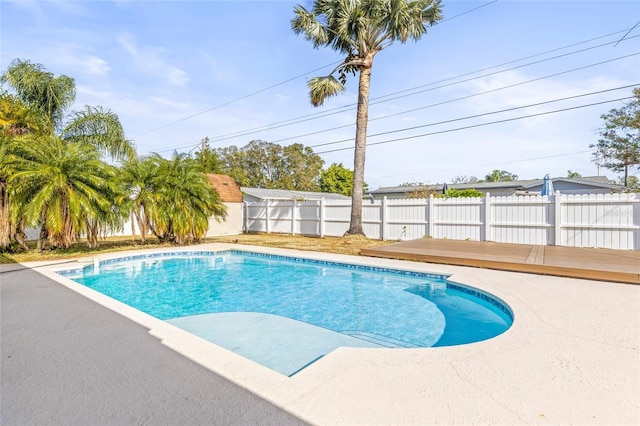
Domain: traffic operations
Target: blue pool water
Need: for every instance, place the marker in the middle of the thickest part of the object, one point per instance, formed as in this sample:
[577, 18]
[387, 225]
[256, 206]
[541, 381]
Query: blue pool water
[375, 307]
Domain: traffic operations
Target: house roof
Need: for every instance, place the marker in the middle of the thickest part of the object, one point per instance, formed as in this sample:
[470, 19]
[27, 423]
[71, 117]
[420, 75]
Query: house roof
[285, 194]
[227, 187]
[592, 181]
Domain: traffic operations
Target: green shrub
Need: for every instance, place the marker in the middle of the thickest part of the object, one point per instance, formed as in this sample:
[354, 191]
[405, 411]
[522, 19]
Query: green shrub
[463, 193]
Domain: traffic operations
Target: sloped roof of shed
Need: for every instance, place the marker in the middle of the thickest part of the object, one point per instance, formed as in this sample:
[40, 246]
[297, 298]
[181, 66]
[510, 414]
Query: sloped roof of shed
[227, 188]
[285, 194]
[590, 181]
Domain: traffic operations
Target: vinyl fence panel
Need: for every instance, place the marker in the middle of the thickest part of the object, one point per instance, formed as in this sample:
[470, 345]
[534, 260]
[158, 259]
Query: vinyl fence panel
[591, 220]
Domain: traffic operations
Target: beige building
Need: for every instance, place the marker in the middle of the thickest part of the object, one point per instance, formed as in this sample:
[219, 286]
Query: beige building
[231, 195]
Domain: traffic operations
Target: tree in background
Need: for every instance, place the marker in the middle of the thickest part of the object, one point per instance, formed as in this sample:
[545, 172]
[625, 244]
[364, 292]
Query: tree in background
[633, 183]
[619, 146]
[302, 168]
[573, 175]
[465, 179]
[261, 164]
[417, 190]
[359, 29]
[337, 179]
[500, 176]
[208, 158]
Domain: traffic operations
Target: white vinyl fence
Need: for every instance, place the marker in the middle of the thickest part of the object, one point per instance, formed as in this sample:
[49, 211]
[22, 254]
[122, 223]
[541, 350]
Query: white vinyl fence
[594, 220]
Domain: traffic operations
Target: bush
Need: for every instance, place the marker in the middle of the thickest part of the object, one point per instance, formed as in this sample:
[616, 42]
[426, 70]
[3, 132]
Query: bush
[463, 193]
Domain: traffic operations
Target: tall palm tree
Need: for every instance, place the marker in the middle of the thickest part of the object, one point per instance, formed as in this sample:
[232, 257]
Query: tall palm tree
[359, 29]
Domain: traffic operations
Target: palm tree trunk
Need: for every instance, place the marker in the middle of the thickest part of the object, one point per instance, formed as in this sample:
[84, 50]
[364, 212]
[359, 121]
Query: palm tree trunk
[355, 227]
[133, 226]
[42, 238]
[19, 235]
[142, 223]
[5, 225]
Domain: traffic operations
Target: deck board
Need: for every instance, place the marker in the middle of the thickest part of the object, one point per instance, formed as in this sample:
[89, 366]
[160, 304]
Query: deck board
[588, 263]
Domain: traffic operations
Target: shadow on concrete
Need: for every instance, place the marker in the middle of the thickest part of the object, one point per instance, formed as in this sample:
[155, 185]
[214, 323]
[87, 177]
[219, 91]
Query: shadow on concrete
[67, 360]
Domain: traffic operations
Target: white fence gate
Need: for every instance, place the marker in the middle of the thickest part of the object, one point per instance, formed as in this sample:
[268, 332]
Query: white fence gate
[594, 220]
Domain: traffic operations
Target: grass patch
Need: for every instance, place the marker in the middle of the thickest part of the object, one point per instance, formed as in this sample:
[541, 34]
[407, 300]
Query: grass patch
[339, 245]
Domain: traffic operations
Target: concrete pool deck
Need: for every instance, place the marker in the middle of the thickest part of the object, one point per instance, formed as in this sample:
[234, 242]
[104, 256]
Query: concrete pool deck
[571, 357]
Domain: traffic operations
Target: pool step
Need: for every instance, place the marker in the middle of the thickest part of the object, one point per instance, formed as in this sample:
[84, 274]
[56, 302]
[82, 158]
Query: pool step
[379, 339]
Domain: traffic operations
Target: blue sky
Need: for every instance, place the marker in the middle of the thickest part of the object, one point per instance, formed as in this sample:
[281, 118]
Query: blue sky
[233, 71]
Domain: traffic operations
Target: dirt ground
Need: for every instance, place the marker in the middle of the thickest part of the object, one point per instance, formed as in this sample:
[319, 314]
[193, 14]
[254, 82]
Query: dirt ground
[340, 245]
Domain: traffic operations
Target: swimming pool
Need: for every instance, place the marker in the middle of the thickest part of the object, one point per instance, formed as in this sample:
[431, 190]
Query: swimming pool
[264, 306]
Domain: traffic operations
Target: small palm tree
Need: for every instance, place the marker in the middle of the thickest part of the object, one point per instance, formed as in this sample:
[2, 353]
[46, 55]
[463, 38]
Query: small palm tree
[16, 119]
[183, 200]
[359, 29]
[66, 188]
[45, 99]
[139, 178]
[40, 90]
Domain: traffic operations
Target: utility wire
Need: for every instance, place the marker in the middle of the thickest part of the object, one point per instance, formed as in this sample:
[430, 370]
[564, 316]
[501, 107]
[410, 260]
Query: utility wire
[277, 84]
[422, 107]
[452, 100]
[479, 125]
[235, 100]
[406, 129]
[377, 100]
[627, 33]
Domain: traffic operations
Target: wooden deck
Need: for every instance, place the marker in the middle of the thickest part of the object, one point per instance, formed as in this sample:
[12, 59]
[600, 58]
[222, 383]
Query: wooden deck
[594, 264]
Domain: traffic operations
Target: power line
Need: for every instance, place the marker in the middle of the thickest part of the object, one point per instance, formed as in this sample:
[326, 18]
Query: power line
[626, 34]
[423, 107]
[277, 84]
[479, 125]
[457, 99]
[479, 115]
[235, 100]
[379, 99]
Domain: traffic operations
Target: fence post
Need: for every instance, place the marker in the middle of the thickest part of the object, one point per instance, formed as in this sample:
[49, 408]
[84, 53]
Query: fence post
[294, 206]
[268, 224]
[321, 217]
[430, 218]
[383, 216]
[487, 218]
[245, 216]
[557, 200]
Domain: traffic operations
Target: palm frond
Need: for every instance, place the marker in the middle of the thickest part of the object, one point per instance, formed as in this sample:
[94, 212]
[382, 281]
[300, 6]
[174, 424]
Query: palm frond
[321, 88]
[307, 23]
[38, 88]
[101, 128]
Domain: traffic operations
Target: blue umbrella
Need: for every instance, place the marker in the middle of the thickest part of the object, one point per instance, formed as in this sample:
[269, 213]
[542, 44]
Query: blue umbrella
[547, 186]
[444, 188]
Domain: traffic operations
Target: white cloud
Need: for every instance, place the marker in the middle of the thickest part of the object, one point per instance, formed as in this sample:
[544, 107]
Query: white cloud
[150, 59]
[94, 65]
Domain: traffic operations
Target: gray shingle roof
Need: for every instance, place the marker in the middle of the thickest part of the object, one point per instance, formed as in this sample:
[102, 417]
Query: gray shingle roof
[285, 194]
[596, 181]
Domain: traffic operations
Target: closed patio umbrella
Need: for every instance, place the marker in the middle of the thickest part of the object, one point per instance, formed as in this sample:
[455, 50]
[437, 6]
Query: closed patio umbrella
[547, 186]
